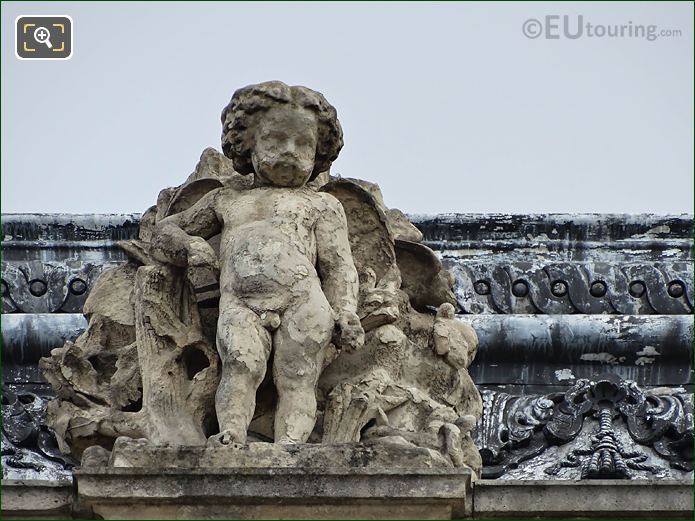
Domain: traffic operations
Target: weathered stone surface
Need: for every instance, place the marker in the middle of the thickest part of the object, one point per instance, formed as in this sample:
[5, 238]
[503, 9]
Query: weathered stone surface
[375, 454]
[559, 349]
[274, 239]
[145, 366]
[507, 286]
[290, 493]
[597, 429]
[600, 499]
[47, 287]
[282, 509]
[29, 449]
[284, 493]
[642, 259]
[37, 499]
[574, 236]
[292, 268]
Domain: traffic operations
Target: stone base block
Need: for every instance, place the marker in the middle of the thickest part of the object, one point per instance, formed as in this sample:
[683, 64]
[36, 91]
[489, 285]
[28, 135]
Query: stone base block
[586, 499]
[36, 499]
[274, 493]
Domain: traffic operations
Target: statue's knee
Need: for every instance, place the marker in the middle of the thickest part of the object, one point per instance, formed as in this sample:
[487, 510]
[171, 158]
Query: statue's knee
[295, 379]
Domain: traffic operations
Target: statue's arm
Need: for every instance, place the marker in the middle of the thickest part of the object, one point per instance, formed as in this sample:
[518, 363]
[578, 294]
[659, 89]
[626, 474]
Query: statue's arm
[180, 239]
[338, 273]
[336, 268]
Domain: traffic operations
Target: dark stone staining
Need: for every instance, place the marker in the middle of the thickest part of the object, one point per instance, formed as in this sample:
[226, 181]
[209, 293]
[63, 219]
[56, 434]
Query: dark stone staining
[68, 227]
[637, 289]
[598, 289]
[361, 457]
[27, 336]
[27, 443]
[559, 288]
[676, 289]
[482, 287]
[487, 234]
[572, 263]
[63, 285]
[530, 349]
[78, 287]
[570, 287]
[576, 238]
[520, 288]
[563, 231]
[516, 428]
[37, 287]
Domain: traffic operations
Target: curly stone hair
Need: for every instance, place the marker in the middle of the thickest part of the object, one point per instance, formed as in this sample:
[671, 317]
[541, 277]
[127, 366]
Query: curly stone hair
[238, 120]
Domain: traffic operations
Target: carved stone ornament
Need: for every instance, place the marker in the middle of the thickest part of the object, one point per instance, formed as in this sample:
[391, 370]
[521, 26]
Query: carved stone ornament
[268, 302]
[596, 287]
[29, 448]
[515, 429]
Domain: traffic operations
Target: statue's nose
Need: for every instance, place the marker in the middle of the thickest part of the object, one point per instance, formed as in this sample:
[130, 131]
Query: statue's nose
[289, 147]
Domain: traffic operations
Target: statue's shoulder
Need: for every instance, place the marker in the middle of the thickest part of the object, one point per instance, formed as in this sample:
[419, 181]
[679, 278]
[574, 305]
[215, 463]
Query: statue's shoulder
[328, 203]
[228, 193]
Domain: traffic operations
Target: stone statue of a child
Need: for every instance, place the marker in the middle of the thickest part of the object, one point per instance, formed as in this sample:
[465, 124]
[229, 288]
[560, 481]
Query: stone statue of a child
[288, 283]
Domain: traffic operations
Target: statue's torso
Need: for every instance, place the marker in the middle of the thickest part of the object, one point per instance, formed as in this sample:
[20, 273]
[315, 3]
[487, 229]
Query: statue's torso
[268, 242]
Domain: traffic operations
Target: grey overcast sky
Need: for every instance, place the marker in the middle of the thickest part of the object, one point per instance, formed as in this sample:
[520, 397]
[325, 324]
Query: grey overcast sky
[448, 106]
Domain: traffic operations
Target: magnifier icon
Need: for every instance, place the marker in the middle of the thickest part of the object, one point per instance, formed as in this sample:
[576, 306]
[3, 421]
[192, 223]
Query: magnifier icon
[43, 35]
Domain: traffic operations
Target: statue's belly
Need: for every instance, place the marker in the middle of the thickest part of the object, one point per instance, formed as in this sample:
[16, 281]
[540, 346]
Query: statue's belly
[265, 270]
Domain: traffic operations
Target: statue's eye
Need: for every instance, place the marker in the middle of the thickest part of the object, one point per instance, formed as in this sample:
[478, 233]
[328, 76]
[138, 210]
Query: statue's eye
[274, 135]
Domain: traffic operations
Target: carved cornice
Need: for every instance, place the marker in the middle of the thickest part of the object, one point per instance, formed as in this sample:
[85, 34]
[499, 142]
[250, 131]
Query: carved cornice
[22, 230]
[496, 286]
[577, 236]
[508, 264]
[47, 287]
[481, 288]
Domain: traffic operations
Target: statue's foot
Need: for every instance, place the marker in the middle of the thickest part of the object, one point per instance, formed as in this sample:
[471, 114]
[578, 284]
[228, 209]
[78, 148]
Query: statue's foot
[225, 438]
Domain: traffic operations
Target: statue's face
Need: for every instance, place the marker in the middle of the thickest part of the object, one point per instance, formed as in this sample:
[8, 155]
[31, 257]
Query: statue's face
[285, 146]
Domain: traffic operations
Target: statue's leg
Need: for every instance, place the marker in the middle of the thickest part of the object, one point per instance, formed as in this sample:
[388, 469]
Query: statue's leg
[244, 346]
[300, 344]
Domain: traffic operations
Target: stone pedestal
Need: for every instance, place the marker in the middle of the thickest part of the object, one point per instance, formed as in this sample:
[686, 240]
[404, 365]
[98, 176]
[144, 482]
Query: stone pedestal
[274, 493]
[272, 481]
